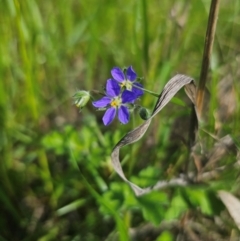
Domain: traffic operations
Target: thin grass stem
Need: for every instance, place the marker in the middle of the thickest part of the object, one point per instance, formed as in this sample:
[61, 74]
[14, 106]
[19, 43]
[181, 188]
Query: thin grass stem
[145, 34]
[209, 39]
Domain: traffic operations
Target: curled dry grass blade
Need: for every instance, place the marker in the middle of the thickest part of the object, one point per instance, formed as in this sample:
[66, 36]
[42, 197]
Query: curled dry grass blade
[170, 89]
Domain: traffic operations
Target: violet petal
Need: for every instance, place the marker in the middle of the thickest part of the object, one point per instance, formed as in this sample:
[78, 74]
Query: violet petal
[109, 116]
[118, 74]
[102, 102]
[128, 96]
[138, 92]
[112, 88]
[123, 114]
[131, 75]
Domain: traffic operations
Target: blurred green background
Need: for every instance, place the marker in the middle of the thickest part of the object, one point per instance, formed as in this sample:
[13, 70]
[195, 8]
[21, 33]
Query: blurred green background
[57, 181]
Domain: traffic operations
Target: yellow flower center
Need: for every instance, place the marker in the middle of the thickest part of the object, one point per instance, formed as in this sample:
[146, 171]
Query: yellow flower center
[116, 102]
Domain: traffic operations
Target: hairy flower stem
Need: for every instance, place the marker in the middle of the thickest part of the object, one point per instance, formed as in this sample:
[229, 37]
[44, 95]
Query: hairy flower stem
[96, 92]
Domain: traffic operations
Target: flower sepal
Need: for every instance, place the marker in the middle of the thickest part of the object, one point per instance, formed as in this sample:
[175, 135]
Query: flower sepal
[139, 79]
[102, 109]
[131, 107]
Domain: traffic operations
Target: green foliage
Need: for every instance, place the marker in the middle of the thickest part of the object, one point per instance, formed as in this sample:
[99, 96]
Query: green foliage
[177, 208]
[204, 199]
[165, 236]
[153, 206]
[57, 181]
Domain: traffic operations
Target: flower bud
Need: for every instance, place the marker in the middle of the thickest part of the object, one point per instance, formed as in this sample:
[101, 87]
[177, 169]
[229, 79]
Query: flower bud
[81, 98]
[144, 113]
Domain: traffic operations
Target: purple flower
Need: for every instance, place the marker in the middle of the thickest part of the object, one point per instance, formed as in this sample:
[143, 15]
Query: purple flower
[127, 80]
[115, 101]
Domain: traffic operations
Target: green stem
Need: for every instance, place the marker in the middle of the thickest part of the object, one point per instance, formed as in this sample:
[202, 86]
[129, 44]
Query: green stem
[148, 91]
[95, 92]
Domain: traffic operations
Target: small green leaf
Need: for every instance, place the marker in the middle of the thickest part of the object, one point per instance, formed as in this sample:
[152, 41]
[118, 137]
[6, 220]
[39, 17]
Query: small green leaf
[165, 236]
[205, 199]
[178, 206]
[154, 206]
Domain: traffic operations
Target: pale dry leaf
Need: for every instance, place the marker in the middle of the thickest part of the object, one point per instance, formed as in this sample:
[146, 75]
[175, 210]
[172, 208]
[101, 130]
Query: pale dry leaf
[232, 204]
[170, 89]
